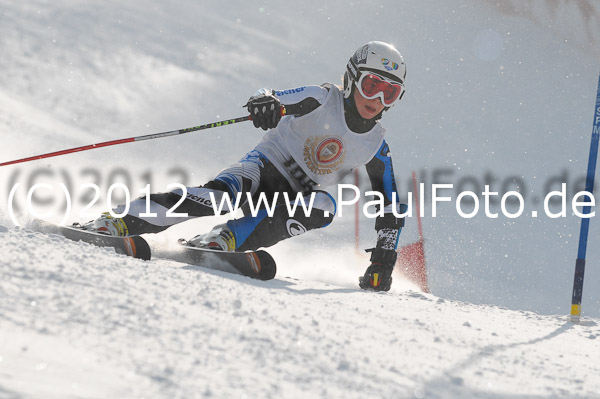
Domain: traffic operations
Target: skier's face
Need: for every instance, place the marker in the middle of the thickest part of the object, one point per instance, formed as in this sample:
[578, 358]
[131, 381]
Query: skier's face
[367, 109]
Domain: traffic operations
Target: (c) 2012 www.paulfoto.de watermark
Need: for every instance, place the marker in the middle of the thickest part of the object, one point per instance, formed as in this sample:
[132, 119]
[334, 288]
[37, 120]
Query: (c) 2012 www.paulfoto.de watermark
[467, 203]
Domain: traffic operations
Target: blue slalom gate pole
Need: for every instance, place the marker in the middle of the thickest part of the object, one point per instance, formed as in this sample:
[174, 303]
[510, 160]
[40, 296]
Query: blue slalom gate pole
[585, 221]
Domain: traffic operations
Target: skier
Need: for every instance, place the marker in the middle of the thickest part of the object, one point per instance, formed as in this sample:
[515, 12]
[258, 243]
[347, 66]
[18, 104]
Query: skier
[326, 133]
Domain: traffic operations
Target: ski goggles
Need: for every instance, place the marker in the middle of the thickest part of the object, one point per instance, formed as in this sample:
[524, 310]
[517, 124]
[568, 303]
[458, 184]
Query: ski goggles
[371, 85]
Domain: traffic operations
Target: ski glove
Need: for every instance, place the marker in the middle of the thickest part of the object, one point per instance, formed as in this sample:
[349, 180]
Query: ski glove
[265, 110]
[378, 276]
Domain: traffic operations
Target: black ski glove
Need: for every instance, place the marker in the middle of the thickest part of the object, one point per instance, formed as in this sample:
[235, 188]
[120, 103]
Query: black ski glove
[378, 276]
[265, 110]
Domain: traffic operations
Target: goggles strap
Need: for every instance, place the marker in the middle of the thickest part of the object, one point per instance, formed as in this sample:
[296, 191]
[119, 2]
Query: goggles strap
[353, 71]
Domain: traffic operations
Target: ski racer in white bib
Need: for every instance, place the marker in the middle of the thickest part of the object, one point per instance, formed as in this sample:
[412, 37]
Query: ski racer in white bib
[325, 134]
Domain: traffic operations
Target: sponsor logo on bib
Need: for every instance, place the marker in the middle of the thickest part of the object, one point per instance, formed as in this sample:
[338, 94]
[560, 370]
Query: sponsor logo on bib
[324, 154]
[329, 150]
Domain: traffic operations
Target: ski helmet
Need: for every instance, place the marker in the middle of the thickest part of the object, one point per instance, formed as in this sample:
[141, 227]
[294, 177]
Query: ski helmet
[380, 58]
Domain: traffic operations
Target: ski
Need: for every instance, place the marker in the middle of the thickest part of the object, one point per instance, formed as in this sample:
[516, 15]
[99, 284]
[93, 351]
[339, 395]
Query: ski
[134, 246]
[254, 264]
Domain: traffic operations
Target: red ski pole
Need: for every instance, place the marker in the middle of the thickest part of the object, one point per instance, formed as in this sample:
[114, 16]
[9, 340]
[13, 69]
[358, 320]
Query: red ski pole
[131, 140]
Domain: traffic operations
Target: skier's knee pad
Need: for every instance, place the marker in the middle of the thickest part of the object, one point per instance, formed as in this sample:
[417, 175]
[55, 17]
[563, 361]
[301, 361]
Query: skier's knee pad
[252, 232]
[321, 213]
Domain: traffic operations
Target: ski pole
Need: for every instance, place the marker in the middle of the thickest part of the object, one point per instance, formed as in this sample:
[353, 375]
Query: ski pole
[131, 140]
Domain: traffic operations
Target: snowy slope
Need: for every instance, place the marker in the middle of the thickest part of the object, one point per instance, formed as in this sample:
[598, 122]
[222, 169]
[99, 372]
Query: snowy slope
[496, 92]
[84, 322]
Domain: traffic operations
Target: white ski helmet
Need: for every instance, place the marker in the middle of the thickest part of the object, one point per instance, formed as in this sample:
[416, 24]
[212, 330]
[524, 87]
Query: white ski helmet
[378, 57]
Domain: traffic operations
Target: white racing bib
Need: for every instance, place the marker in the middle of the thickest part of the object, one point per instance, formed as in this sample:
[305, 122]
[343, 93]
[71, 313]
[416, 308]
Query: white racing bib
[321, 143]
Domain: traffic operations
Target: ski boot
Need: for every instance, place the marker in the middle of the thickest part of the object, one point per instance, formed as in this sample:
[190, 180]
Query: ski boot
[107, 225]
[220, 238]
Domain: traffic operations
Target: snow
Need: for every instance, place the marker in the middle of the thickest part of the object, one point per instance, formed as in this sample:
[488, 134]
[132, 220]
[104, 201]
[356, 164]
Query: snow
[85, 322]
[495, 92]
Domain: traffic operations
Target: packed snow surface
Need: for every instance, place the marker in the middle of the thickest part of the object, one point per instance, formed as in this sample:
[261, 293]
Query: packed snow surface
[81, 321]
